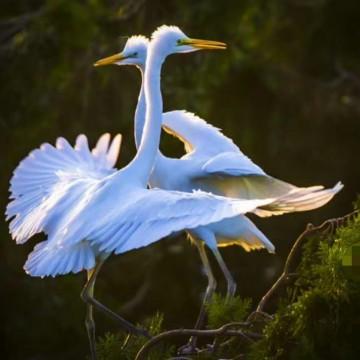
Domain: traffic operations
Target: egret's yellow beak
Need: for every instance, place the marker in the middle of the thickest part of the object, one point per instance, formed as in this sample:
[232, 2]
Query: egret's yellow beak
[204, 44]
[110, 60]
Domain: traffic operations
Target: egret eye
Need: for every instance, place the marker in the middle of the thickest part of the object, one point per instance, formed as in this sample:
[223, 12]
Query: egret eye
[179, 42]
[135, 54]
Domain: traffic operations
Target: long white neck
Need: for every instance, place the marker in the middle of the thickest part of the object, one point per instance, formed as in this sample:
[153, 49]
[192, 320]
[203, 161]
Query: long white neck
[140, 111]
[150, 139]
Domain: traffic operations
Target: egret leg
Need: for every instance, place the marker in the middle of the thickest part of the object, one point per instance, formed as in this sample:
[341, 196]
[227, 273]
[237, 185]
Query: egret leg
[89, 319]
[211, 287]
[191, 345]
[231, 284]
[87, 295]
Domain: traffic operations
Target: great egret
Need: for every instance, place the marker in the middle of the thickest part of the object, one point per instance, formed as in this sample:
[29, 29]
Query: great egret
[214, 163]
[89, 210]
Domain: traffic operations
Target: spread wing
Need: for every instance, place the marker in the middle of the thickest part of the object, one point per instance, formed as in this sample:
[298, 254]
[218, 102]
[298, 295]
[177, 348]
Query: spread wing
[235, 175]
[51, 179]
[147, 216]
[159, 213]
[227, 171]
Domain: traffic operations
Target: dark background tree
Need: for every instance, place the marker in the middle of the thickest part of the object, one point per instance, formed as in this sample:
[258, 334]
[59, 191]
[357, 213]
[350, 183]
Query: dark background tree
[287, 91]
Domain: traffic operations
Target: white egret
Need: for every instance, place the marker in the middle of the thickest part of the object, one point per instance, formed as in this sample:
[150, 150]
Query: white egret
[214, 163]
[88, 210]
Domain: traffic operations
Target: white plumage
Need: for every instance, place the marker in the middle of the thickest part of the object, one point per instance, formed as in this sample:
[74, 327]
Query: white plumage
[223, 169]
[87, 207]
[214, 163]
[44, 188]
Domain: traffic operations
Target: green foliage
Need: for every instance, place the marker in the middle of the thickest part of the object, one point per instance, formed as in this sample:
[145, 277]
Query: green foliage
[222, 310]
[110, 347]
[319, 318]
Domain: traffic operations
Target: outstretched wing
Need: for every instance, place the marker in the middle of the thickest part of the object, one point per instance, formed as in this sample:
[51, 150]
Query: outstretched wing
[158, 213]
[143, 216]
[227, 171]
[232, 175]
[50, 179]
[147, 216]
[300, 199]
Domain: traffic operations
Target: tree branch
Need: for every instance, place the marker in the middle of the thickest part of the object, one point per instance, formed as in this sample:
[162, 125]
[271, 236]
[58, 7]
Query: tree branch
[245, 329]
[225, 330]
[328, 226]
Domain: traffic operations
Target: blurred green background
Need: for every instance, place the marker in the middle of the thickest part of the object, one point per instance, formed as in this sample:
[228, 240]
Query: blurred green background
[287, 91]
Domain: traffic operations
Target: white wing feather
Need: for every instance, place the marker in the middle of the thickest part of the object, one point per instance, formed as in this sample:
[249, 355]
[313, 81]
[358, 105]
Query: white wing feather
[289, 198]
[227, 171]
[148, 216]
[196, 133]
[231, 164]
[47, 260]
[51, 179]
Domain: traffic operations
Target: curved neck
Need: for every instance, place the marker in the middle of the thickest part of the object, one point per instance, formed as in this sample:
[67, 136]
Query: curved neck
[140, 110]
[150, 140]
[140, 113]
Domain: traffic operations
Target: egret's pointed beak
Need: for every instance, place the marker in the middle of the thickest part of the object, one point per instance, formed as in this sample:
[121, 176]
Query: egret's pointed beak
[204, 44]
[110, 60]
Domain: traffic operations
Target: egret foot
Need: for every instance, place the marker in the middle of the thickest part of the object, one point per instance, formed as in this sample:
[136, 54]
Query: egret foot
[141, 332]
[189, 348]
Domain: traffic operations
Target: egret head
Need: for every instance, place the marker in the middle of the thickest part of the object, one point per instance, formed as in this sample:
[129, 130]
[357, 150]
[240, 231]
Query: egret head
[134, 53]
[171, 40]
[167, 40]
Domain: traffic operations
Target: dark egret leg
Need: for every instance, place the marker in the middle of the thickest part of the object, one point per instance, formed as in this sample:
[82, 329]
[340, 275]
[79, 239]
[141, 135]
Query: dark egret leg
[89, 319]
[87, 295]
[211, 287]
[190, 347]
[231, 284]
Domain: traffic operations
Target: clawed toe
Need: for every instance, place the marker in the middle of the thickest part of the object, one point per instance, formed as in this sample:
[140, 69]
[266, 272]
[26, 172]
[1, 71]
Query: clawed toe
[145, 333]
[188, 349]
